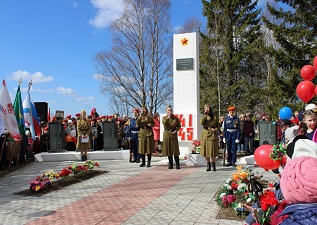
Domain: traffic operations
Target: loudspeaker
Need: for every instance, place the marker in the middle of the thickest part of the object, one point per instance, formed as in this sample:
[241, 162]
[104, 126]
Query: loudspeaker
[41, 109]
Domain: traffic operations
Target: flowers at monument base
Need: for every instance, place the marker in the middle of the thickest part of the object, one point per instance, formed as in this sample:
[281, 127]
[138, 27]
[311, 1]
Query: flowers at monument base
[46, 179]
[235, 193]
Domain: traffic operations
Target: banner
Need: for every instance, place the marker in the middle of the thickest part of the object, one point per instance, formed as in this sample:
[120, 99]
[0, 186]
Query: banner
[9, 118]
[30, 115]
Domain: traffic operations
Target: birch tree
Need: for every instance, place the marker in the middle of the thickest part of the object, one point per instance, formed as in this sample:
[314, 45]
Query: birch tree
[137, 70]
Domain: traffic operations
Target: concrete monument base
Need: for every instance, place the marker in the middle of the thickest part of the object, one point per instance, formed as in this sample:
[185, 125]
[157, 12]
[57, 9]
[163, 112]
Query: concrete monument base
[188, 160]
[75, 156]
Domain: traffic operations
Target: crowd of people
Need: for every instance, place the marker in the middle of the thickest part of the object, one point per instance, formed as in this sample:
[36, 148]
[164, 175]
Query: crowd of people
[239, 133]
[85, 131]
[296, 191]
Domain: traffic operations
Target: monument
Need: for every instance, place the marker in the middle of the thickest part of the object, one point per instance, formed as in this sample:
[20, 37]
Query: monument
[186, 90]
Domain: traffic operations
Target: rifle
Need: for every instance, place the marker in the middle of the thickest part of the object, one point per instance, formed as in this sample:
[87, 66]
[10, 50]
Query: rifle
[224, 153]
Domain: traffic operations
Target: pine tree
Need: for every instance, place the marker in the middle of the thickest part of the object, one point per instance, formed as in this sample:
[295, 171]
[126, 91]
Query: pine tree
[293, 25]
[233, 31]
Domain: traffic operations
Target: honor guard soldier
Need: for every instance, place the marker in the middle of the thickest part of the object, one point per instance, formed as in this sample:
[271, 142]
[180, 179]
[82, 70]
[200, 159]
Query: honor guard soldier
[133, 132]
[231, 134]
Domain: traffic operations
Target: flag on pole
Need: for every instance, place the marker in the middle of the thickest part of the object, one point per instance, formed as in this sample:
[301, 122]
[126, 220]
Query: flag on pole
[18, 110]
[9, 119]
[30, 115]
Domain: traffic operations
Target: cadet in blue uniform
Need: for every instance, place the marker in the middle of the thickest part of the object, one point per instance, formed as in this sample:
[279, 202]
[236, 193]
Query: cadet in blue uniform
[231, 135]
[134, 135]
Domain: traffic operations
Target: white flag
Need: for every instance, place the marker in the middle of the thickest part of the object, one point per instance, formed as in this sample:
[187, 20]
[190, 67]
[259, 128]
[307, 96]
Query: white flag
[9, 119]
[31, 118]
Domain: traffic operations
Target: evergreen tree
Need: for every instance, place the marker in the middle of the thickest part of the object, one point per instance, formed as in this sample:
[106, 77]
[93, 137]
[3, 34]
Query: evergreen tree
[226, 50]
[293, 26]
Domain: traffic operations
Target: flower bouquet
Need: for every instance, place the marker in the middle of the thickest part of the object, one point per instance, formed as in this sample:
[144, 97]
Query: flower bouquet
[279, 153]
[197, 146]
[268, 202]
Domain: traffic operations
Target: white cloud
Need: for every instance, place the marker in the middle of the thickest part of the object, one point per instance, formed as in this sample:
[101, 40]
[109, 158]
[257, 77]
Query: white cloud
[65, 91]
[49, 90]
[107, 11]
[86, 100]
[36, 77]
[98, 77]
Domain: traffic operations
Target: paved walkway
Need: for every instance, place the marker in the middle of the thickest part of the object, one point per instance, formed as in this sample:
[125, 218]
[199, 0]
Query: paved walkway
[128, 194]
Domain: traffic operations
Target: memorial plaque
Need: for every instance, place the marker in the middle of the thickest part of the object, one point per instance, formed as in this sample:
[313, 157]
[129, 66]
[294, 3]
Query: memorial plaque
[59, 115]
[110, 136]
[56, 137]
[185, 64]
[267, 133]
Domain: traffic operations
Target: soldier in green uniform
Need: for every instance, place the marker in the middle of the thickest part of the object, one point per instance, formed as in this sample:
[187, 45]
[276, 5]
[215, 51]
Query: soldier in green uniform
[209, 137]
[170, 141]
[146, 137]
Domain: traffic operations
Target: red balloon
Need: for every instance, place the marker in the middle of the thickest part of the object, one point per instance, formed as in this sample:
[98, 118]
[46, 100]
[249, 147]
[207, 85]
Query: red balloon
[262, 158]
[315, 63]
[305, 90]
[308, 72]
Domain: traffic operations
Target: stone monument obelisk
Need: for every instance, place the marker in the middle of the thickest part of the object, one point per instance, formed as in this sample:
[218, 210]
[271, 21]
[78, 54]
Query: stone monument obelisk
[186, 89]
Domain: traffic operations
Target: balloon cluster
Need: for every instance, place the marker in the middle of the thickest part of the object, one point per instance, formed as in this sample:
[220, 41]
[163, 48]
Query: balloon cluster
[306, 89]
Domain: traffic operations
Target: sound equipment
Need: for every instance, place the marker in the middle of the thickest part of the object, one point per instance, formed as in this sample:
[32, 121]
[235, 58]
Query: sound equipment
[41, 109]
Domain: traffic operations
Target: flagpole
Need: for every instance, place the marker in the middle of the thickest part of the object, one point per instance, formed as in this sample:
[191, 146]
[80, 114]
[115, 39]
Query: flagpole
[29, 85]
[31, 113]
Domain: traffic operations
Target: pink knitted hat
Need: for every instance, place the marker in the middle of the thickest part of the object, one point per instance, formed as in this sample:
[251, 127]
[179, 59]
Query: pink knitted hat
[298, 182]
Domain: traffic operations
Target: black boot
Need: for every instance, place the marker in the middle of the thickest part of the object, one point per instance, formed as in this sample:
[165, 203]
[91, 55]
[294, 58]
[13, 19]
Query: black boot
[208, 166]
[170, 162]
[177, 162]
[143, 160]
[149, 156]
[213, 166]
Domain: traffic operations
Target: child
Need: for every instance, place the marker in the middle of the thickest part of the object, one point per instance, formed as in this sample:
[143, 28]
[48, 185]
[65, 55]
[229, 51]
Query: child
[309, 118]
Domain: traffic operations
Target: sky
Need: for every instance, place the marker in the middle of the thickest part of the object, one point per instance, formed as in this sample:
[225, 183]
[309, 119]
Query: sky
[53, 43]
